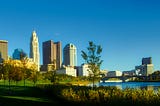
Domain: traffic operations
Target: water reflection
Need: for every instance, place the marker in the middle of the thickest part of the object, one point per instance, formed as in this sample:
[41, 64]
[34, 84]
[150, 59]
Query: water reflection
[147, 87]
[137, 85]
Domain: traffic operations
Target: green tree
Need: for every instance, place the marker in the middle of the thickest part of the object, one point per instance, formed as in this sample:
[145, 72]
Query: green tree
[93, 59]
[1, 71]
[51, 75]
[155, 75]
[54, 75]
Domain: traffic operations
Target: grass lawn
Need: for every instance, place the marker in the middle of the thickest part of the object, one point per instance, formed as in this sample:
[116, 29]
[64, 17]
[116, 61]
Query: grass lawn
[29, 95]
[25, 96]
[20, 95]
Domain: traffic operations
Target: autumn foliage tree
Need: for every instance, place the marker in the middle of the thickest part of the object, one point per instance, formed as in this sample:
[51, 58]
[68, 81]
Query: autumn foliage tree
[34, 73]
[16, 70]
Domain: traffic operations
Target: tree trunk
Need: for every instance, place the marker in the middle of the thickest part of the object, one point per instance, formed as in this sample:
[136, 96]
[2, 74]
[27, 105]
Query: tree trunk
[9, 85]
[24, 82]
[4, 82]
[93, 82]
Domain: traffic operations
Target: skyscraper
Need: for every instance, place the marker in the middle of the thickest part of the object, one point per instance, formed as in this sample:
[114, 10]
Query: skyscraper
[34, 49]
[147, 60]
[146, 68]
[18, 54]
[3, 50]
[70, 55]
[52, 52]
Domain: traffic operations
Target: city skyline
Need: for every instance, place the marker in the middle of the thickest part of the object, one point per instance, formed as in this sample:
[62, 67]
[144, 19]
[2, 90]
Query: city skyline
[127, 30]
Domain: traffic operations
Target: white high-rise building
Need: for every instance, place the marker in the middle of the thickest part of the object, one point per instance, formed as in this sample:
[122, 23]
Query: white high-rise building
[70, 55]
[34, 49]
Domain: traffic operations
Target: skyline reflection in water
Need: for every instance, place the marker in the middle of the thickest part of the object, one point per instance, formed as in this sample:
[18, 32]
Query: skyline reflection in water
[137, 85]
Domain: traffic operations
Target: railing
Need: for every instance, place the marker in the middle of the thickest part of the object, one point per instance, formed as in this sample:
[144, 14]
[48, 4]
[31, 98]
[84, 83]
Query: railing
[123, 78]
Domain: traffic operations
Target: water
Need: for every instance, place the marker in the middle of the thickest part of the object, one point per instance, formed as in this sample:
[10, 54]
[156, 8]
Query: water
[139, 85]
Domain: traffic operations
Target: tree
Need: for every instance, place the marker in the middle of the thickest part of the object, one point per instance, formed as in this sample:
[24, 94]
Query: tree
[155, 76]
[93, 59]
[34, 73]
[24, 60]
[8, 71]
[16, 70]
[17, 74]
[51, 75]
[1, 71]
[26, 72]
[54, 75]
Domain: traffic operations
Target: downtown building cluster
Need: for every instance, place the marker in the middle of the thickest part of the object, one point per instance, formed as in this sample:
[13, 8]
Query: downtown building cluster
[52, 57]
[51, 54]
[145, 69]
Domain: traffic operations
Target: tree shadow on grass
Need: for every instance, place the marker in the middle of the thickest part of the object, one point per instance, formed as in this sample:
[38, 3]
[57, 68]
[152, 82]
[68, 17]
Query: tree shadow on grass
[25, 96]
[9, 101]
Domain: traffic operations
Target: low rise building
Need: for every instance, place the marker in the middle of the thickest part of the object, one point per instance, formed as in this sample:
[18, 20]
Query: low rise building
[144, 70]
[47, 67]
[129, 73]
[83, 70]
[69, 70]
[103, 73]
[114, 73]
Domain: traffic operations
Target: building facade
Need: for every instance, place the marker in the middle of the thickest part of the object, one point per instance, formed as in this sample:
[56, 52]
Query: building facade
[83, 70]
[3, 50]
[146, 68]
[69, 70]
[52, 53]
[70, 55]
[47, 67]
[18, 54]
[147, 60]
[114, 73]
[34, 49]
[129, 73]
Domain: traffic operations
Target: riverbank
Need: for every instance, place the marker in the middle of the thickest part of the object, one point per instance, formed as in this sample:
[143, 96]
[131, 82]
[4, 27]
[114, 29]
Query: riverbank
[133, 85]
[60, 94]
[102, 96]
[78, 83]
[25, 96]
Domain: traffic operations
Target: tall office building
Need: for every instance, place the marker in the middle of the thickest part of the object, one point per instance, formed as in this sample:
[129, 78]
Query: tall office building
[18, 54]
[34, 49]
[70, 55]
[147, 60]
[52, 52]
[146, 68]
[3, 50]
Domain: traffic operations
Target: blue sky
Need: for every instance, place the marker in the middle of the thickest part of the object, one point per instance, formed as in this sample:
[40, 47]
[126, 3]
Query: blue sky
[127, 30]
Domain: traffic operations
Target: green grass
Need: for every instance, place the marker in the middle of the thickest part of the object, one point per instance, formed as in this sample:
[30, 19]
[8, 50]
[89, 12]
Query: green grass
[27, 98]
[44, 94]
[21, 83]
[10, 101]
[24, 95]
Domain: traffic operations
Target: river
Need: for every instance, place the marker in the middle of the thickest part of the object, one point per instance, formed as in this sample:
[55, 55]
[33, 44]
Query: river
[141, 85]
